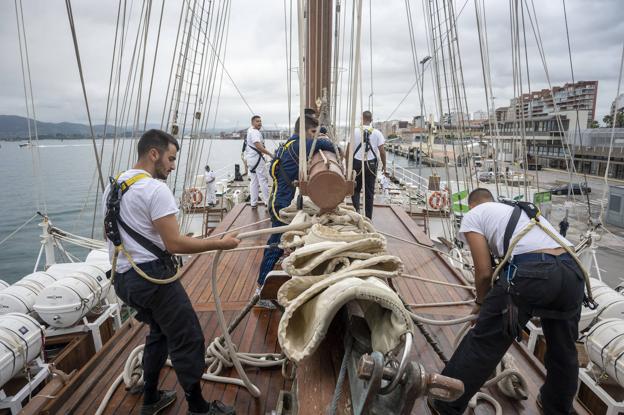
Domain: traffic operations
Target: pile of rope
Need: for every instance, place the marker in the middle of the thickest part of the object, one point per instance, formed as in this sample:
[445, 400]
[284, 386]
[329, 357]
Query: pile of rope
[340, 258]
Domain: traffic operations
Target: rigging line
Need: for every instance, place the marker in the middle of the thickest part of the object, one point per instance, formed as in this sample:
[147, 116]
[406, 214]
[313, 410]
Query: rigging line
[19, 228]
[354, 94]
[25, 58]
[118, 89]
[146, 27]
[195, 89]
[538, 37]
[471, 166]
[251, 111]
[180, 84]
[526, 57]
[528, 76]
[485, 69]
[577, 127]
[164, 126]
[613, 123]
[70, 16]
[26, 103]
[227, 34]
[108, 99]
[149, 94]
[370, 32]
[335, 72]
[288, 92]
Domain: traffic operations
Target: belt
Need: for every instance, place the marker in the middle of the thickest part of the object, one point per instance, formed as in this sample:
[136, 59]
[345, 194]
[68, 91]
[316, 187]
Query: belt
[538, 256]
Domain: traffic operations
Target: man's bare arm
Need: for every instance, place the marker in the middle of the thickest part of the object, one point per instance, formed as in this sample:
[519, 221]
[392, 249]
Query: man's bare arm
[261, 148]
[175, 243]
[382, 156]
[482, 262]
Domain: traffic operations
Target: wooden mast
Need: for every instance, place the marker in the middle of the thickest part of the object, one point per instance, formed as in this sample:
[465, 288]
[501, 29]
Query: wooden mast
[319, 19]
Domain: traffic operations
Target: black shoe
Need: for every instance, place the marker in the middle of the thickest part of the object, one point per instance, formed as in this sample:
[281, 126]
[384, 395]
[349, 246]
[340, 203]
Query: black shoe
[254, 207]
[216, 408]
[166, 399]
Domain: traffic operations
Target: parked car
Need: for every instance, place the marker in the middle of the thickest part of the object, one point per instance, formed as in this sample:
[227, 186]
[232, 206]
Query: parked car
[574, 188]
[531, 166]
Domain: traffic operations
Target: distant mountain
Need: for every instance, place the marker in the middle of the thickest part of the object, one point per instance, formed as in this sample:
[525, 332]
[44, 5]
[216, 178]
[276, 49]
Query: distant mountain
[14, 127]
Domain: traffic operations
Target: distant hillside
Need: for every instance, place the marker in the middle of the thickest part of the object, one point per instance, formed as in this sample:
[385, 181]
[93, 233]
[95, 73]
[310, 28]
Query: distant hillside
[14, 127]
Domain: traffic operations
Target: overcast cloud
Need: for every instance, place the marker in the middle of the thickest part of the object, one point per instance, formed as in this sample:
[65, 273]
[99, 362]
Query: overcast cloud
[256, 56]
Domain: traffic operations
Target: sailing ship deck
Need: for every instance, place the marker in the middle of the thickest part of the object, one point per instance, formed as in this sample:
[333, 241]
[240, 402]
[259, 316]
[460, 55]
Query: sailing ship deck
[258, 332]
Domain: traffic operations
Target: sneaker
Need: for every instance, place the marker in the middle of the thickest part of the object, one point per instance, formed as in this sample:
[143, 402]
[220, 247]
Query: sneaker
[216, 408]
[266, 304]
[254, 207]
[166, 398]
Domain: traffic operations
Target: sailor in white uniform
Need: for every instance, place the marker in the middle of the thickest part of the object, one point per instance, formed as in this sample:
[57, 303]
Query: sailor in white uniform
[254, 154]
[211, 191]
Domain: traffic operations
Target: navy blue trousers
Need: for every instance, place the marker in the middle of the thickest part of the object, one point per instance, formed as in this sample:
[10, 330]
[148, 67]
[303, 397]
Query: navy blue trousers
[174, 328]
[542, 282]
[271, 254]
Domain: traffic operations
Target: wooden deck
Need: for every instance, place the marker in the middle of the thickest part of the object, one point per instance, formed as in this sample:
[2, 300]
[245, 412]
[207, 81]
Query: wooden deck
[258, 332]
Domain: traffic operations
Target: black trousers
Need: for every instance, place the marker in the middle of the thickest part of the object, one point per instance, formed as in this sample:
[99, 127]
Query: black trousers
[174, 328]
[370, 172]
[542, 281]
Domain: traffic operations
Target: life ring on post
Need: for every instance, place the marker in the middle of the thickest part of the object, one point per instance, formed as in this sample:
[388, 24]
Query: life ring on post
[193, 197]
[435, 200]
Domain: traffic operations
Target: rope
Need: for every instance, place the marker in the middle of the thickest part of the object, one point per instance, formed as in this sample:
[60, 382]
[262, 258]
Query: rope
[613, 124]
[19, 228]
[70, 16]
[333, 407]
[448, 284]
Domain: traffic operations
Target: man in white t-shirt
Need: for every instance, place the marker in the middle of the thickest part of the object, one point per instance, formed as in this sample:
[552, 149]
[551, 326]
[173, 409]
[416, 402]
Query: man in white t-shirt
[149, 231]
[254, 156]
[211, 188]
[540, 280]
[372, 150]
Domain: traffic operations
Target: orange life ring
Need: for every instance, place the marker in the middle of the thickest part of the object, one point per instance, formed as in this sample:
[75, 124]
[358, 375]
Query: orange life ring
[435, 200]
[193, 196]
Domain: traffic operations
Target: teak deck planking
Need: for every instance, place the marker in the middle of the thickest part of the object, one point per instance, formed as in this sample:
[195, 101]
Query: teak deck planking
[258, 332]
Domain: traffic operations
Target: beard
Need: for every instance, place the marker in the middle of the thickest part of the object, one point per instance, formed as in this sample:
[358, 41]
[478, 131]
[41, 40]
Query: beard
[161, 172]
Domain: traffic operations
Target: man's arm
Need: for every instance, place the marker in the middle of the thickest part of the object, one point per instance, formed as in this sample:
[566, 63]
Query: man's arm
[175, 243]
[482, 263]
[261, 148]
[382, 156]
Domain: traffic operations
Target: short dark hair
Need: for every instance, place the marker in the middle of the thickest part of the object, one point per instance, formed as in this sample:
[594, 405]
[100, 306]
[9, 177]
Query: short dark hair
[480, 194]
[207, 167]
[254, 118]
[157, 139]
[367, 115]
[310, 111]
[310, 122]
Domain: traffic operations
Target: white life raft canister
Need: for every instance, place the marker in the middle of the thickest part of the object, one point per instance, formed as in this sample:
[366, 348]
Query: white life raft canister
[21, 340]
[65, 302]
[605, 347]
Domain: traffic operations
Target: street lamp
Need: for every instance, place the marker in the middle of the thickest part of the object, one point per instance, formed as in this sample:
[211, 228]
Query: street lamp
[422, 90]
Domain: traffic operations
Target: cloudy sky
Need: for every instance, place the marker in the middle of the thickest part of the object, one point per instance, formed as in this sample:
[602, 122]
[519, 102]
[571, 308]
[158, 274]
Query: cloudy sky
[256, 57]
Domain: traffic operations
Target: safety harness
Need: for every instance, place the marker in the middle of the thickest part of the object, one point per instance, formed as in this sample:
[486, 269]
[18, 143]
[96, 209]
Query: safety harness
[368, 147]
[112, 220]
[260, 156]
[510, 322]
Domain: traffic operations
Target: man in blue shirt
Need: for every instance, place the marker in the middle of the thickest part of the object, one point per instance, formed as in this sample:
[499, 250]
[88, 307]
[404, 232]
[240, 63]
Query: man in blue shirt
[284, 172]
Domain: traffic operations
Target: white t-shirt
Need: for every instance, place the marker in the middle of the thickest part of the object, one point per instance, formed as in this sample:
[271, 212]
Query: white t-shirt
[490, 220]
[376, 139]
[253, 136]
[147, 200]
[209, 177]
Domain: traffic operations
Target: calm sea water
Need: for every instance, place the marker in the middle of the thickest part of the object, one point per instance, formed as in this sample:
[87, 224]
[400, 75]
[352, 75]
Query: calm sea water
[63, 186]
